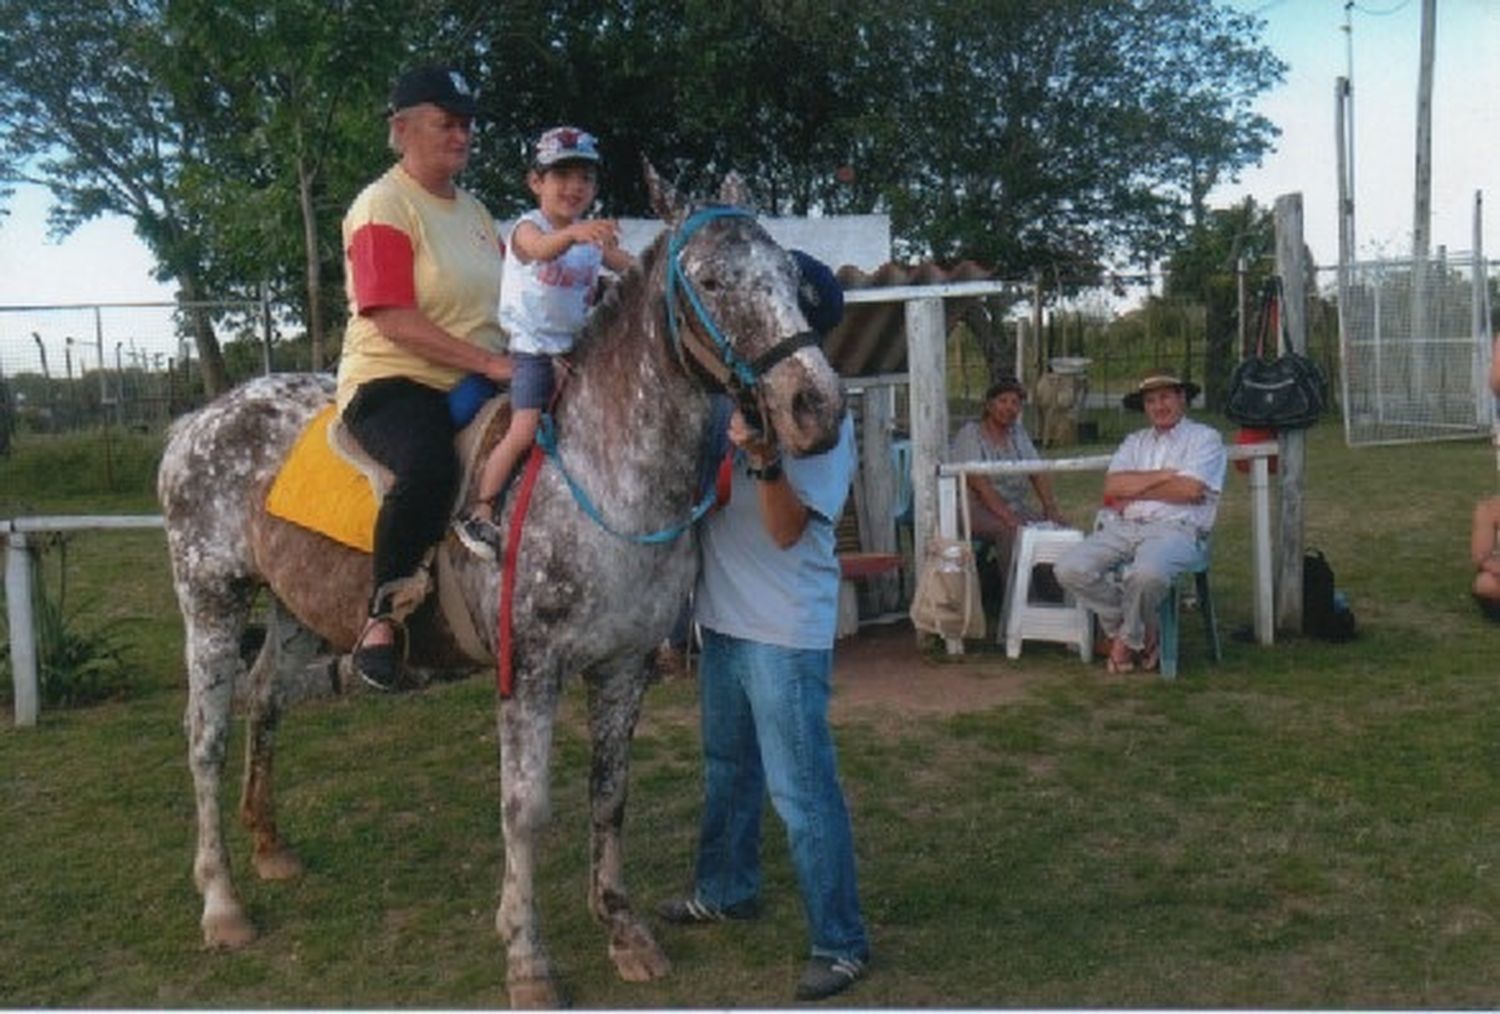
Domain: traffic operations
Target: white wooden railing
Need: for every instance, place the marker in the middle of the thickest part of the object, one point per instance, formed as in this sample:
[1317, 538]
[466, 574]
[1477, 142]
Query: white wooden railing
[18, 580]
[951, 476]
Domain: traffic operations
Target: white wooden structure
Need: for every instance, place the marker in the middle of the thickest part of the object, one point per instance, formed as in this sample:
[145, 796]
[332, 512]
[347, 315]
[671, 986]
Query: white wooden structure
[18, 581]
[951, 478]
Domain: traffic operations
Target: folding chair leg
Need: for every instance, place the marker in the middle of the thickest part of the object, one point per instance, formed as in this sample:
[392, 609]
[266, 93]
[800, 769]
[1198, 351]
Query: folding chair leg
[1167, 632]
[1210, 618]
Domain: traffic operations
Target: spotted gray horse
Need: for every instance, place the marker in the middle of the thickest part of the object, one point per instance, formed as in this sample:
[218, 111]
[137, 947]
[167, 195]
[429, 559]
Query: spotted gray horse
[714, 299]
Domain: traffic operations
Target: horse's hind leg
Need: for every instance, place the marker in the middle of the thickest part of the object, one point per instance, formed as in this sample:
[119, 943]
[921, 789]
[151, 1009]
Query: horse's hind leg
[614, 706]
[213, 623]
[288, 648]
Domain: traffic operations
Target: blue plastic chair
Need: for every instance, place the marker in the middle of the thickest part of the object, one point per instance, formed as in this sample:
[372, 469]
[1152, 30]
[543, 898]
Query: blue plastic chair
[1167, 617]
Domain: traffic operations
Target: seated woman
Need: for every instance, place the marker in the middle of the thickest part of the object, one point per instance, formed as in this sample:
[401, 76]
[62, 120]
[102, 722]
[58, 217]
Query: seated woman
[1484, 551]
[1001, 504]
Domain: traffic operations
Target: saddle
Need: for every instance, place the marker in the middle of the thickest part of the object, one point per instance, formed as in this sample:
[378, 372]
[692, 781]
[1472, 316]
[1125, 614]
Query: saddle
[329, 485]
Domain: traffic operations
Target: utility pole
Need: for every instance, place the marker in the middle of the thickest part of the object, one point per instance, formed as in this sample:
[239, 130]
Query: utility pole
[1421, 230]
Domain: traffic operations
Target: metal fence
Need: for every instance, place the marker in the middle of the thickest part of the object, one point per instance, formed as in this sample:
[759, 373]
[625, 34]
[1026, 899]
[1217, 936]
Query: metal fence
[65, 368]
[1416, 351]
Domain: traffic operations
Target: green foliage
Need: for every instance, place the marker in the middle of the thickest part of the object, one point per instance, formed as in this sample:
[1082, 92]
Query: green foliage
[80, 659]
[1060, 135]
[1304, 826]
[105, 464]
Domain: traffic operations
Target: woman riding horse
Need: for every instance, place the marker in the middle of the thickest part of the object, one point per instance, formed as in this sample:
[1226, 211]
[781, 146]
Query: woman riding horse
[423, 265]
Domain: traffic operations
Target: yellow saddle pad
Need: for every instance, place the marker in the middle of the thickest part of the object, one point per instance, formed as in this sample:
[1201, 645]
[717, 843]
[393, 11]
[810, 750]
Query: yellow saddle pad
[318, 489]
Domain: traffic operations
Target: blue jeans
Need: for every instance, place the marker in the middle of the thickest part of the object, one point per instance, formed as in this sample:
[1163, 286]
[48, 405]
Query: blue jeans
[764, 714]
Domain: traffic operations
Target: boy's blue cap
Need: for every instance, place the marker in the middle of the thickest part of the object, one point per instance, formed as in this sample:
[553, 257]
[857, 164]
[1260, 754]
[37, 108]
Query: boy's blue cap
[565, 144]
[818, 293]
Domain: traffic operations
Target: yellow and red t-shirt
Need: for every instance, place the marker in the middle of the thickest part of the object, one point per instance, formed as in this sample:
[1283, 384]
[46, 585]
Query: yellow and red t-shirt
[406, 247]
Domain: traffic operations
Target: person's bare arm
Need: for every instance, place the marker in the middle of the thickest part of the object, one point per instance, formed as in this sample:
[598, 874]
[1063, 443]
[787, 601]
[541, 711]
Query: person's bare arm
[414, 331]
[1483, 536]
[784, 516]
[532, 244]
[1043, 486]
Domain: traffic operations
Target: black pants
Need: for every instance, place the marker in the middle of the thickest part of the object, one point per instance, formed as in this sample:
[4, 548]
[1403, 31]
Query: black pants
[405, 426]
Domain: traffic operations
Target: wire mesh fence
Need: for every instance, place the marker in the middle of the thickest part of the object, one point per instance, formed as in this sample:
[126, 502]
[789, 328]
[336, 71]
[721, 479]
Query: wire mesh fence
[1416, 351]
[66, 368]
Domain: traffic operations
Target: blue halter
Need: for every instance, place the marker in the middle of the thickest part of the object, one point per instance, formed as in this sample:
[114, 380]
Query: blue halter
[743, 377]
[741, 371]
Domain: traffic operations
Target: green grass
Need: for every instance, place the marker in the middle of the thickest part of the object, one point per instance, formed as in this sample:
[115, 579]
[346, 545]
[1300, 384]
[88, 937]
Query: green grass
[1308, 825]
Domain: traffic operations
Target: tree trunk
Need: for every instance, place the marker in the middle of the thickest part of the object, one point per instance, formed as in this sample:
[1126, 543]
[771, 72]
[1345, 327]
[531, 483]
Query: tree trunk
[210, 358]
[313, 265]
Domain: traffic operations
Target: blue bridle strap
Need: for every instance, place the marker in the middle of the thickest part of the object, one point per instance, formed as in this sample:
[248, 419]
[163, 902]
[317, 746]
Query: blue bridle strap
[744, 373]
[546, 438]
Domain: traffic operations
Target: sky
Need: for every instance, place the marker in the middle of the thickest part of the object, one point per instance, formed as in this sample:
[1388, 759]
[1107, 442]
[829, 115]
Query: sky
[1386, 48]
[103, 261]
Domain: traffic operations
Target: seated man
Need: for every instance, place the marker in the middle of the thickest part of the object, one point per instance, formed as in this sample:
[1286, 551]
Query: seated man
[1161, 494]
[1484, 551]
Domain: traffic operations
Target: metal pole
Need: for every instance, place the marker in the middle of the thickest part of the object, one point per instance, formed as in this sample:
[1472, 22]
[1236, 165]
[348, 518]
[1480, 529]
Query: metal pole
[18, 614]
[99, 348]
[265, 329]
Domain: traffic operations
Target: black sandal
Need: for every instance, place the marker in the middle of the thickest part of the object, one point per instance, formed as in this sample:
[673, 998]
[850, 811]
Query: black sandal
[379, 665]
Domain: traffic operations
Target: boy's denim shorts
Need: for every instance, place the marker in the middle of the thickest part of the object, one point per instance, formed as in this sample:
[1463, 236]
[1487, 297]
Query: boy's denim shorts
[531, 381]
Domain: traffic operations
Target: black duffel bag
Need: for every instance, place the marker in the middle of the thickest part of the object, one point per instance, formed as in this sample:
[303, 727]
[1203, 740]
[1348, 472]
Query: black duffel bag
[1285, 393]
[1288, 392]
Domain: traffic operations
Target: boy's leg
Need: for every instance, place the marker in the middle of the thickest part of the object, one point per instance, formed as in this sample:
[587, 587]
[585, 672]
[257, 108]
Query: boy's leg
[503, 458]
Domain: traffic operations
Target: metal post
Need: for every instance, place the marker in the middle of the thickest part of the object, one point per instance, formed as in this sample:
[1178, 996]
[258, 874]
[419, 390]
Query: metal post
[265, 329]
[1260, 540]
[18, 614]
[99, 348]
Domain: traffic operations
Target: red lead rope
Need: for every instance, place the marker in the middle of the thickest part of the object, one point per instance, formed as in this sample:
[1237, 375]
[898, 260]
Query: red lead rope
[505, 667]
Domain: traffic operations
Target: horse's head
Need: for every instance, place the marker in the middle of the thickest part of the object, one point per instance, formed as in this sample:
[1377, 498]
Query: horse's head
[734, 320]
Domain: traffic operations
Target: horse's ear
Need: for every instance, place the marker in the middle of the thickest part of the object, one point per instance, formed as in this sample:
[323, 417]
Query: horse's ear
[664, 200]
[733, 192]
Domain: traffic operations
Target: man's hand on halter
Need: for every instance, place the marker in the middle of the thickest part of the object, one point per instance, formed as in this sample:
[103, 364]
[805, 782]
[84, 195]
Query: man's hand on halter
[784, 516]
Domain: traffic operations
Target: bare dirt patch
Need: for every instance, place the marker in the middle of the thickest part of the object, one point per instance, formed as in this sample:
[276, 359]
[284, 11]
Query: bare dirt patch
[884, 668]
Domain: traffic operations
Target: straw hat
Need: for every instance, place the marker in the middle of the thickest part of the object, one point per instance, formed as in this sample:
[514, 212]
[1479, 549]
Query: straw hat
[1155, 378]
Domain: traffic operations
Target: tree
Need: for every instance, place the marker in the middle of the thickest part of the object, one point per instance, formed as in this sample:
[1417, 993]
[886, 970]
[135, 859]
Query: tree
[290, 118]
[82, 114]
[1206, 270]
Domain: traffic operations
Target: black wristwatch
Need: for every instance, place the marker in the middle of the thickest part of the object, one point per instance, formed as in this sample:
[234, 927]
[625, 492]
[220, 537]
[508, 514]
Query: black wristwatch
[767, 473]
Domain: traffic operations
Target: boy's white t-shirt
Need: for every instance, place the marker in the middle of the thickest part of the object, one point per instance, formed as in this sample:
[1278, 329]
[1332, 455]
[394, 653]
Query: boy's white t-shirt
[543, 304]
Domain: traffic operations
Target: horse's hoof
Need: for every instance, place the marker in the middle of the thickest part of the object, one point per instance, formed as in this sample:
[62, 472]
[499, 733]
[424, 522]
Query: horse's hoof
[227, 931]
[637, 957]
[278, 864]
[533, 994]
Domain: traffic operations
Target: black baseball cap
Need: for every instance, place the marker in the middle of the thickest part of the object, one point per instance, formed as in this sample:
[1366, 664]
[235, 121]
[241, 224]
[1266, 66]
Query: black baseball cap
[439, 84]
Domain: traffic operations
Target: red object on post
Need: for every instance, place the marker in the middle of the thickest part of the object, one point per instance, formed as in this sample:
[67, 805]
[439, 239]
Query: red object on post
[1254, 435]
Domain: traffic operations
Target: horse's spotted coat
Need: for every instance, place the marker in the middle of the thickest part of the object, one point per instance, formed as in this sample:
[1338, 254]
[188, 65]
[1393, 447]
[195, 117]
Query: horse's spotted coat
[631, 427]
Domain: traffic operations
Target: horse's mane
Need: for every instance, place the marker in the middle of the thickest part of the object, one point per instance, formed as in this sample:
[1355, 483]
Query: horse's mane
[622, 296]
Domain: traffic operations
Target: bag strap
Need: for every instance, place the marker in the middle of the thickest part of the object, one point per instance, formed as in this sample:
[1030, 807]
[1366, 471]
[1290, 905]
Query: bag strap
[966, 532]
[1268, 318]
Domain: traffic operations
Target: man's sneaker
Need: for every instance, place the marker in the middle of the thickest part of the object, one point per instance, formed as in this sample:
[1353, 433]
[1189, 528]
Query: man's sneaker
[692, 912]
[824, 977]
[479, 536]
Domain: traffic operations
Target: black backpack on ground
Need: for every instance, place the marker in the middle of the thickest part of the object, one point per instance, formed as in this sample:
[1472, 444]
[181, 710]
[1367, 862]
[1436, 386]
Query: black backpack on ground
[1325, 610]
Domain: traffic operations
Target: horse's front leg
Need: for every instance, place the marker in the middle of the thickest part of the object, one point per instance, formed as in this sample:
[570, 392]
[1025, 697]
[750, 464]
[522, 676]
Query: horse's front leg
[288, 648]
[615, 693]
[525, 748]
